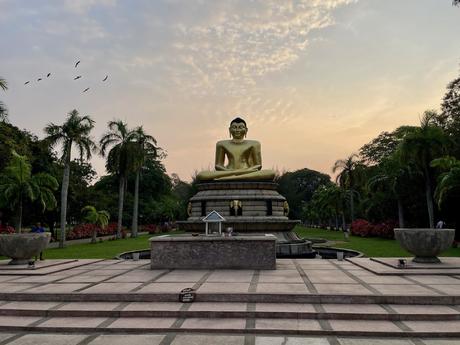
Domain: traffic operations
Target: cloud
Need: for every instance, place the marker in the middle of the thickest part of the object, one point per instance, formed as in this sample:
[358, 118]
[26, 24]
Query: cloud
[82, 6]
[230, 51]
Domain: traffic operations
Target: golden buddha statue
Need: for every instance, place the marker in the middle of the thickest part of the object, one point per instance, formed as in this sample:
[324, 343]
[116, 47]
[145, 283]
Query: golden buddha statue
[244, 158]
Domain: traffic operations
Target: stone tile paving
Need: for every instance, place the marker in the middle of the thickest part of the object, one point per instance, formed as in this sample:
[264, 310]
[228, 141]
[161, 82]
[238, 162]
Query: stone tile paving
[288, 324]
[360, 325]
[89, 306]
[185, 339]
[204, 323]
[111, 287]
[29, 305]
[290, 341]
[50, 339]
[128, 339]
[77, 322]
[427, 326]
[137, 306]
[17, 320]
[354, 308]
[141, 322]
[325, 276]
[374, 341]
[209, 306]
[286, 307]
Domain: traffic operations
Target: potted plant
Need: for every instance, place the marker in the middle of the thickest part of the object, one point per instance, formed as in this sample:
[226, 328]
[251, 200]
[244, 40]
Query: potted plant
[425, 243]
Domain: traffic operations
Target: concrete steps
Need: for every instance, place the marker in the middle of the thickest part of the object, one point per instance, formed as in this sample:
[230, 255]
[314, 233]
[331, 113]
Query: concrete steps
[360, 320]
[338, 328]
[230, 310]
[236, 297]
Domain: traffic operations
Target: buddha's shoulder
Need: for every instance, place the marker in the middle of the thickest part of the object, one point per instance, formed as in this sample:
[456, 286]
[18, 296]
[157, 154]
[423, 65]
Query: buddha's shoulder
[223, 142]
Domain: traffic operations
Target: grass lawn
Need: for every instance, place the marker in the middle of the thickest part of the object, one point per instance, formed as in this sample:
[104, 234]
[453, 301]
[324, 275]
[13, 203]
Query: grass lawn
[99, 250]
[369, 246]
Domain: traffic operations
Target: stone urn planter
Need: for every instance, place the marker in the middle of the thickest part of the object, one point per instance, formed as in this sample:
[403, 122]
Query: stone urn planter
[425, 244]
[21, 248]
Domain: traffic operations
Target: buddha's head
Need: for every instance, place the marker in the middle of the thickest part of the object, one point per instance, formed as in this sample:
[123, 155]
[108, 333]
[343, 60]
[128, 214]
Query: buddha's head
[238, 128]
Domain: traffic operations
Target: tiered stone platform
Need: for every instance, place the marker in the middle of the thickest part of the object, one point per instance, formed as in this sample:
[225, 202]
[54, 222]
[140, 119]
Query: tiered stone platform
[302, 302]
[261, 207]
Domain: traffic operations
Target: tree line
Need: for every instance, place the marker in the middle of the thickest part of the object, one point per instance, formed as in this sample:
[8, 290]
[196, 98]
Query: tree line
[33, 177]
[411, 174]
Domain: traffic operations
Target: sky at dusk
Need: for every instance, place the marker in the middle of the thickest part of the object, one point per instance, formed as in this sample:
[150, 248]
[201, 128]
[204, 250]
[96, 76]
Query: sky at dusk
[314, 79]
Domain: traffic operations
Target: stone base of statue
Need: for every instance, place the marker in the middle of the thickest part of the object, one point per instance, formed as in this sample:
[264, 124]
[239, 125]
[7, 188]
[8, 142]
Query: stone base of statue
[248, 207]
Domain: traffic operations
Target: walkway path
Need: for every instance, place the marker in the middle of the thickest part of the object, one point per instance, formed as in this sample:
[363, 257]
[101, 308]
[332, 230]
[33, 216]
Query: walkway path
[302, 302]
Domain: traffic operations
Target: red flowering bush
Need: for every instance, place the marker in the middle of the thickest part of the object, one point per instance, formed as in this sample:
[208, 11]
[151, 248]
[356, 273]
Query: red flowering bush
[363, 228]
[6, 229]
[150, 228]
[86, 231]
[385, 229]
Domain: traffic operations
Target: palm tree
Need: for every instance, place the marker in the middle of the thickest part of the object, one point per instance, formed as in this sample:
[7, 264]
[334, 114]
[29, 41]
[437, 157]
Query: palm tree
[420, 146]
[74, 131]
[449, 180]
[390, 177]
[98, 218]
[144, 148]
[348, 177]
[18, 184]
[3, 110]
[120, 158]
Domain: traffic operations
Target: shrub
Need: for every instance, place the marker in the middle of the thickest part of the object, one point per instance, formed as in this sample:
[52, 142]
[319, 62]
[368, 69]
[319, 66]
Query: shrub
[6, 229]
[86, 231]
[150, 228]
[363, 228]
[385, 229]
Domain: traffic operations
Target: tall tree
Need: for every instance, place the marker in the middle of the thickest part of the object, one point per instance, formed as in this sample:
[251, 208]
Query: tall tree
[3, 110]
[390, 177]
[144, 148]
[18, 184]
[449, 180]
[420, 147]
[75, 131]
[120, 159]
[450, 113]
[298, 188]
[349, 174]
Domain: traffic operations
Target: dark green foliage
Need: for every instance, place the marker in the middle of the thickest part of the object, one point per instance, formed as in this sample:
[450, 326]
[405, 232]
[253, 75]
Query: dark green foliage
[298, 188]
[383, 146]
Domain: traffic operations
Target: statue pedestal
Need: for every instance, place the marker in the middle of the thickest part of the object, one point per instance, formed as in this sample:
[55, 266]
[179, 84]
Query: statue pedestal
[249, 208]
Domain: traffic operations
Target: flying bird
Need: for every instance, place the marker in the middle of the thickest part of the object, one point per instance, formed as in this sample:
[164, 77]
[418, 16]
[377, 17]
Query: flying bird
[105, 78]
[77, 63]
[39, 79]
[48, 75]
[77, 77]
[27, 82]
[86, 89]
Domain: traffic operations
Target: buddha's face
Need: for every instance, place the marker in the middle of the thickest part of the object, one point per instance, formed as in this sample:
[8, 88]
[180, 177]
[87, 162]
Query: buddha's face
[238, 130]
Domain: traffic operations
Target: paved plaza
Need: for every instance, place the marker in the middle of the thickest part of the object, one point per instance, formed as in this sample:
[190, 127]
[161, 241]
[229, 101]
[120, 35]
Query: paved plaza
[303, 301]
